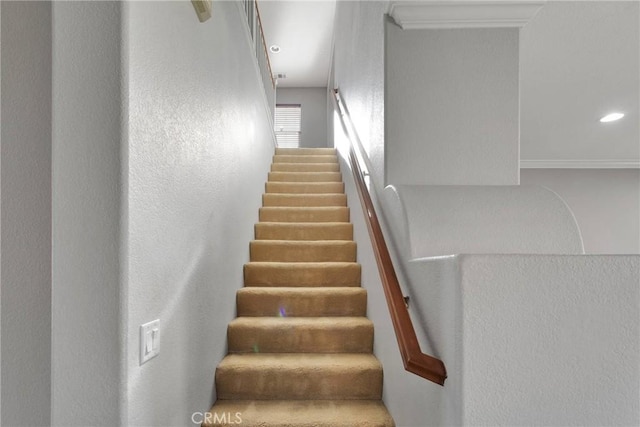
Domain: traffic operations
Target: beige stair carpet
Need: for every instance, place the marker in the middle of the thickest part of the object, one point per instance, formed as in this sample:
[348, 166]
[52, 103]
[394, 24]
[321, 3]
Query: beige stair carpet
[300, 350]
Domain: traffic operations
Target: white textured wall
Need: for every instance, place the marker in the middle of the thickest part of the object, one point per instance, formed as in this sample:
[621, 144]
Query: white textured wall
[200, 145]
[87, 203]
[527, 339]
[358, 71]
[26, 214]
[451, 106]
[314, 113]
[605, 202]
[551, 340]
[540, 340]
[437, 220]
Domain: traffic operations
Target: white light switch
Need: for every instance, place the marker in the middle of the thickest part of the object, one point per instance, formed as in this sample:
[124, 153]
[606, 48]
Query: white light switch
[149, 340]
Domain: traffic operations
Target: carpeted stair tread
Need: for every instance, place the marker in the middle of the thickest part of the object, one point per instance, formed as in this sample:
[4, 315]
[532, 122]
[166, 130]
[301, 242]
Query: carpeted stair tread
[301, 413]
[304, 231]
[302, 251]
[302, 274]
[302, 158]
[302, 200]
[305, 177]
[300, 335]
[289, 376]
[304, 214]
[278, 301]
[300, 151]
[305, 167]
[304, 187]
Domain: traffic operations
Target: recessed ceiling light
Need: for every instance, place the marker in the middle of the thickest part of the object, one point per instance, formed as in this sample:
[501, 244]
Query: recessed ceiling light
[611, 117]
[275, 48]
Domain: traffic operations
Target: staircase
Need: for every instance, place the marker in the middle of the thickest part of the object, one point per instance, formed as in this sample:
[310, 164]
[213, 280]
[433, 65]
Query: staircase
[300, 350]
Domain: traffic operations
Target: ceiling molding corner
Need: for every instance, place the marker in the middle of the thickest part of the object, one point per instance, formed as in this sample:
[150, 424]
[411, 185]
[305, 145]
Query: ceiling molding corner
[443, 14]
[579, 164]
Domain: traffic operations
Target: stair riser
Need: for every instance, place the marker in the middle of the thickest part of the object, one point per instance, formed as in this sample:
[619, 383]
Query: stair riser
[284, 231]
[300, 339]
[304, 188]
[305, 177]
[292, 252]
[305, 167]
[303, 151]
[303, 200]
[291, 383]
[332, 214]
[302, 302]
[280, 158]
[301, 413]
[301, 274]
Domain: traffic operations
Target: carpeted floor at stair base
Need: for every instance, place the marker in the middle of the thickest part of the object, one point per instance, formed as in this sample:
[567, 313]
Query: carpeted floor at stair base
[300, 350]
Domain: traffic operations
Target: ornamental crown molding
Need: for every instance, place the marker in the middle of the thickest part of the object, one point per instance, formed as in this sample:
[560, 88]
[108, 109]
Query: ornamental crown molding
[441, 14]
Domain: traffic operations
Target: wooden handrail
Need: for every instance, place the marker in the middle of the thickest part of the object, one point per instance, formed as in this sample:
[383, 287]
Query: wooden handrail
[264, 46]
[413, 358]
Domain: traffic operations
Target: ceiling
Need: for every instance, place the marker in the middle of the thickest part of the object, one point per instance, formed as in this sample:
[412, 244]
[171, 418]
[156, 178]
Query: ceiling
[578, 61]
[304, 31]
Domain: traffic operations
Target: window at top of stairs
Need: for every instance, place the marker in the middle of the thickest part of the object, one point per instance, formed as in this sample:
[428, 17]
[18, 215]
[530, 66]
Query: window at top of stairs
[287, 125]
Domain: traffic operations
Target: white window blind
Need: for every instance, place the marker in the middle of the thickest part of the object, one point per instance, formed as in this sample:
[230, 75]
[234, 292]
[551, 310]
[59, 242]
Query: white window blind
[287, 125]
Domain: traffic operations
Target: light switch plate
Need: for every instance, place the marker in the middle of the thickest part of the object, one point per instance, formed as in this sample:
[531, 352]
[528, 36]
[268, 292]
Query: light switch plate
[149, 340]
